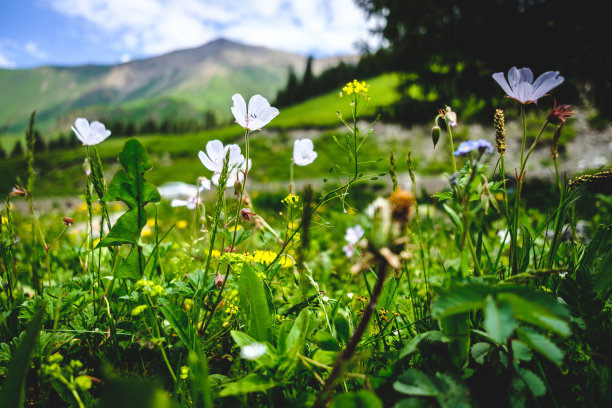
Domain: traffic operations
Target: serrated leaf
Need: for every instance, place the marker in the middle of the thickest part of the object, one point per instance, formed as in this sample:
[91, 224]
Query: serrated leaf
[479, 352]
[533, 382]
[541, 344]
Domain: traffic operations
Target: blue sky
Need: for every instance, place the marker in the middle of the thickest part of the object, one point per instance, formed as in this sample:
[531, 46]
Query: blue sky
[76, 32]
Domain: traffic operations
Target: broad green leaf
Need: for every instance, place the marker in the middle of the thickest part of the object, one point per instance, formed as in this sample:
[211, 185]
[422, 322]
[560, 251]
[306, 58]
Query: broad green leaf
[541, 344]
[341, 324]
[126, 230]
[411, 347]
[359, 399]
[130, 268]
[12, 394]
[254, 303]
[499, 320]
[520, 351]
[533, 382]
[242, 339]
[461, 299]
[297, 335]
[479, 352]
[326, 341]
[177, 319]
[539, 309]
[251, 383]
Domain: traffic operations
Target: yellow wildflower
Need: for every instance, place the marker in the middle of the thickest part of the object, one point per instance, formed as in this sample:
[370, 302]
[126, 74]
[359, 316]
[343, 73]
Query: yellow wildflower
[151, 222]
[187, 303]
[138, 310]
[184, 373]
[146, 231]
[355, 87]
[290, 199]
[181, 224]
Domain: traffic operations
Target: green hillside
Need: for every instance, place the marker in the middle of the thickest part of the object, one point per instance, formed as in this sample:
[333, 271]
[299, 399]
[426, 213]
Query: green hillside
[176, 155]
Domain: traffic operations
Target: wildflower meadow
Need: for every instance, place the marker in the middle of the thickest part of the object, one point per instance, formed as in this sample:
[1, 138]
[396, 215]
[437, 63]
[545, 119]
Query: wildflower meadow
[208, 294]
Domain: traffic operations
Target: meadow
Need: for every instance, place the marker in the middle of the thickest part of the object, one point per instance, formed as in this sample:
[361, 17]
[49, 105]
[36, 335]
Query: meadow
[358, 292]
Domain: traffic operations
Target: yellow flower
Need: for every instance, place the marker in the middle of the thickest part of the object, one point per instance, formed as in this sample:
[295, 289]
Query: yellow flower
[290, 199]
[181, 224]
[355, 87]
[184, 373]
[138, 310]
[187, 303]
[267, 257]
[236, 227]
[146, 231]
[215, 253]
[151, 222]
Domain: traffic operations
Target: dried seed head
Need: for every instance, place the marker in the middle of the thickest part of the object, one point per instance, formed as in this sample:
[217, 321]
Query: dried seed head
[500, 130]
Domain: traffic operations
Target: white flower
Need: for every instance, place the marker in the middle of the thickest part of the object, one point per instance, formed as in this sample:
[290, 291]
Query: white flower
[215, 156]
[253, 351]
[350, 295]
[303, 153]
[325, 298]
[260, 112]
[354, 234]
[348, 250]
[183, 194]
[90, 134]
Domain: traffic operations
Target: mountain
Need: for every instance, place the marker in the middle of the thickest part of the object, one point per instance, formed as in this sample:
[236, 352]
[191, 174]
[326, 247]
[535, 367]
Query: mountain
[182, 83]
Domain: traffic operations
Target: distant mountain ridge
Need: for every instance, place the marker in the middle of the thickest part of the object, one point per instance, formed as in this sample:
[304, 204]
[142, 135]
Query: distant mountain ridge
[181, 83]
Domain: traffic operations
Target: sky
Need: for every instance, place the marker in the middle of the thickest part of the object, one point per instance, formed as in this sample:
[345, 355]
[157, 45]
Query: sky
[76, 32]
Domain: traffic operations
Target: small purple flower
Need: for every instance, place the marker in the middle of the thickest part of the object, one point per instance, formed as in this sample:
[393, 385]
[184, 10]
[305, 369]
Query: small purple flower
[466, 147]
[521, 87]
[482, 146]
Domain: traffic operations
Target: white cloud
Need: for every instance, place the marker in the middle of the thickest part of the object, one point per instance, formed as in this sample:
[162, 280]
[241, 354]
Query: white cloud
[156, 26]
[5, 62]
[32, 49]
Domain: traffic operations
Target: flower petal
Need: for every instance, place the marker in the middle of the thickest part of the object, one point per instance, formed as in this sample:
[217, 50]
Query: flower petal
[525, 75]
[501, 80]
[239, 110]
[545, 83]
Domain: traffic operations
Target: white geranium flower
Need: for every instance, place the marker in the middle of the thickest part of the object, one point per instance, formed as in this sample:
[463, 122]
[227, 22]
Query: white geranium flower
[303, 152]
[90, 134]
[253, 351]
[260, 112]
[215, 156]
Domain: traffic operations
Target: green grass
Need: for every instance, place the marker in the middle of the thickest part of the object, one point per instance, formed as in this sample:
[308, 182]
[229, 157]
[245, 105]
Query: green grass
[321, 110]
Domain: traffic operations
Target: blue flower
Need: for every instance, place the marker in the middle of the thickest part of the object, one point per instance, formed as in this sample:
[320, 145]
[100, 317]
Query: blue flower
[521, 87]
[466, 147]
[483, 146]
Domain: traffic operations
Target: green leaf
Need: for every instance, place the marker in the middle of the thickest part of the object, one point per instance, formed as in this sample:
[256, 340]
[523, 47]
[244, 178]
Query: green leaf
[499, 320]
[460, 299]
[177, 319]
[12, 394]
[526, 249]
[251, 383]
[242, 339]
[254, 303]
[359, 399]
[411, 347]
[326, 341]
[198, 376]
[454, 217]
[541, 344]
[445, 195]
[297, 335]
[341, 324]
[448, 391]
[457, 328]
[129, 269]
[126, 230]
[537, 308]
[520, 351]
[533, 382]
[480, 351]
[415, 383]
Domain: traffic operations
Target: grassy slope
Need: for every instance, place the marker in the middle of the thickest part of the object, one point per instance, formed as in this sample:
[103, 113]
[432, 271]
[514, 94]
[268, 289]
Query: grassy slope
[175, 157]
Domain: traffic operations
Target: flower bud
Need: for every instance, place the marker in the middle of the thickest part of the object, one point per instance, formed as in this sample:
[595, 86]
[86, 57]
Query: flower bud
[450, 117]
[435, 134]
[381, 213]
